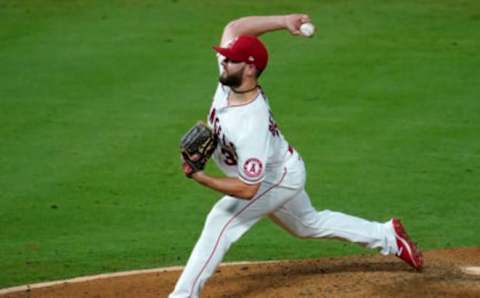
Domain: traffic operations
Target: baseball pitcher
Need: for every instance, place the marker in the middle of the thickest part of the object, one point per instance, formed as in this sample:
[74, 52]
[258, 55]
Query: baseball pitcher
[263, 174]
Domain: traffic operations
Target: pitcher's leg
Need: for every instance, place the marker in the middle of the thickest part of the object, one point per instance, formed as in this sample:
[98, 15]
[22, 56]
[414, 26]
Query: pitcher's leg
[229, 219]
[221, 229]
[300, 218]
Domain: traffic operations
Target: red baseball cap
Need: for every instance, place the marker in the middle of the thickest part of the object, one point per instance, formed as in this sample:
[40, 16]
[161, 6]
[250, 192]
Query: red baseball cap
[248, 49]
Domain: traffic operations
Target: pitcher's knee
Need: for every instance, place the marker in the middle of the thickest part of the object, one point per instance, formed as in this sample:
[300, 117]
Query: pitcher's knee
[306, 230]
[314, 226]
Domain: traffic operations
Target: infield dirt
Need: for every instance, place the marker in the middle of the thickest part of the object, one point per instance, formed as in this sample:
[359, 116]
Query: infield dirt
[358, 276]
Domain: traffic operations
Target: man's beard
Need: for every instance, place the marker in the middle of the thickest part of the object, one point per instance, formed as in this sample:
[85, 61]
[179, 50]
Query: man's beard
[233, 80]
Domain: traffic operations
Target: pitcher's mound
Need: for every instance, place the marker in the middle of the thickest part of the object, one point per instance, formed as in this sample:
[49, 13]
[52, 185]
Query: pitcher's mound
[444, 275]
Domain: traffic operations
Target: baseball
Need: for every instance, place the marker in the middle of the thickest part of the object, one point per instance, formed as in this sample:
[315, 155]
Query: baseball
[307, 29]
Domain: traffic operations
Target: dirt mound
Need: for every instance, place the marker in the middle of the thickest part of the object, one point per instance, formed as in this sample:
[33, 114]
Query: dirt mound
[365, 276]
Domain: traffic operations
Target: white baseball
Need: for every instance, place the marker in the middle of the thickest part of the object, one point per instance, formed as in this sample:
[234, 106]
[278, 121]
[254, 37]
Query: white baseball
[307, 29]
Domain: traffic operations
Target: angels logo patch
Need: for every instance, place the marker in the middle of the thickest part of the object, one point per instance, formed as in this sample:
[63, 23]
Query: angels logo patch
[252, 168]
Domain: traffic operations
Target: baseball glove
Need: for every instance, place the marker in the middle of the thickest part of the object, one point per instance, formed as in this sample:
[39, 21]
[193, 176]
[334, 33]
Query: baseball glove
[197, 145]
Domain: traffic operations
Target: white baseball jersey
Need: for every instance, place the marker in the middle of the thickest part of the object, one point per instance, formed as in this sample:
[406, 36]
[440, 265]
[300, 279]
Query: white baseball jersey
[251, 146]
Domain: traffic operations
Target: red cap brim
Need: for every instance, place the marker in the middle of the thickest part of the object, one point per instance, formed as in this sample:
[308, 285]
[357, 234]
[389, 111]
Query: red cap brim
[227, 52]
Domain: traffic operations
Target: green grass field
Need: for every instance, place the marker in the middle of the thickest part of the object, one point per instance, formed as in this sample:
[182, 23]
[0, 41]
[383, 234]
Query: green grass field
[383, 104]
